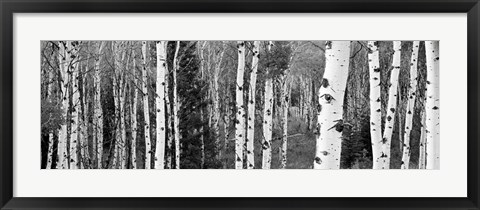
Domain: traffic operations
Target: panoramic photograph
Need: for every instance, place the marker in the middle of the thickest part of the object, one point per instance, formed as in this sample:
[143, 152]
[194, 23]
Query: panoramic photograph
[227, 104]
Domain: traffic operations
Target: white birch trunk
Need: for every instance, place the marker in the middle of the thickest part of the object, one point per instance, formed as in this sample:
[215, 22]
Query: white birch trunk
[432, 105]
[122, 95]
[133, 109]
[98, 113]
[285, 106]
[384, 160]
[330, 96]
[217, 100]
[375, 102]
[410, 106]
[160, 104]
[50, 135]
[146, 111]
[168, 122]
[74, 164]
[50, 151]
[116, 107]
[64, 61]
[240, 115]
[82, 131]
[267, 119]
[251, 107]
[176, 107]
[226, 126]
[423, 138]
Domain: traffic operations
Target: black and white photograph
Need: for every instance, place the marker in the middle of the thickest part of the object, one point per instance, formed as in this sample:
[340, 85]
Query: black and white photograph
[227, 104]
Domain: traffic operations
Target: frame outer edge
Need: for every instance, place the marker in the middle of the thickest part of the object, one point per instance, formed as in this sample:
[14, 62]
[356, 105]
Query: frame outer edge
[473, 148]
[6, 116]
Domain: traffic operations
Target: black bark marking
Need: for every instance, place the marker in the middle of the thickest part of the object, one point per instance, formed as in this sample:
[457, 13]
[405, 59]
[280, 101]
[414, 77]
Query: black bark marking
[384, 140]
[318, 160]
[435, 108]
[328, 45]
[325, 83]
[389, 118]
[328, 98]
[319, 108]
[392, 110]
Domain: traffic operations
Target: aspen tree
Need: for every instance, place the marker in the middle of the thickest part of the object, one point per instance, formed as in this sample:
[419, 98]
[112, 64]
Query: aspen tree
[375, 102]
[133, 110]
[285, 101]
[267, 118]
[384, 159]
[422, 148]
[251, 106]
[146, 111]
[169, 122]
[218, 59]
[330, 96]
[63, 138]
[240, 116]
[410, 105]
[51, 97]
[74, 164]
[116, 132]
[176, 107]
[98, 113]
[122, 95]
[432, 105]
[226, 126]
[160, 104]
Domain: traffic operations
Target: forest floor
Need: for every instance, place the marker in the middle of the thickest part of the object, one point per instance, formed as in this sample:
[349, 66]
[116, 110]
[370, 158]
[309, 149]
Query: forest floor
[300, 152]
[301, 149]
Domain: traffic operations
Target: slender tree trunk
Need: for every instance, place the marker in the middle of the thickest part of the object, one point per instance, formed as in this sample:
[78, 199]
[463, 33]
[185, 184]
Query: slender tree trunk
[146, 111]
[51, 97]
[410, 106]
[285, 106]
[176, 107]
[331, 95]
[122, 112]
[74, 164]
[160, 102]
[226, 127]
[423, 138]
[115, 86]
[98, 113]
[240, 119]
[63, 138]
[217, 100]
[432, 105]
[384, 160]
[133, 109]
[267, 119]
[375, 102]
[251, 107]
[169, 123]
[82, 135]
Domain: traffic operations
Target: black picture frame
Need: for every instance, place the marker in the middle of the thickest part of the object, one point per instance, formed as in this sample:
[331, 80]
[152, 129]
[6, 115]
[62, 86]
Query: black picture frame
[9, 7]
